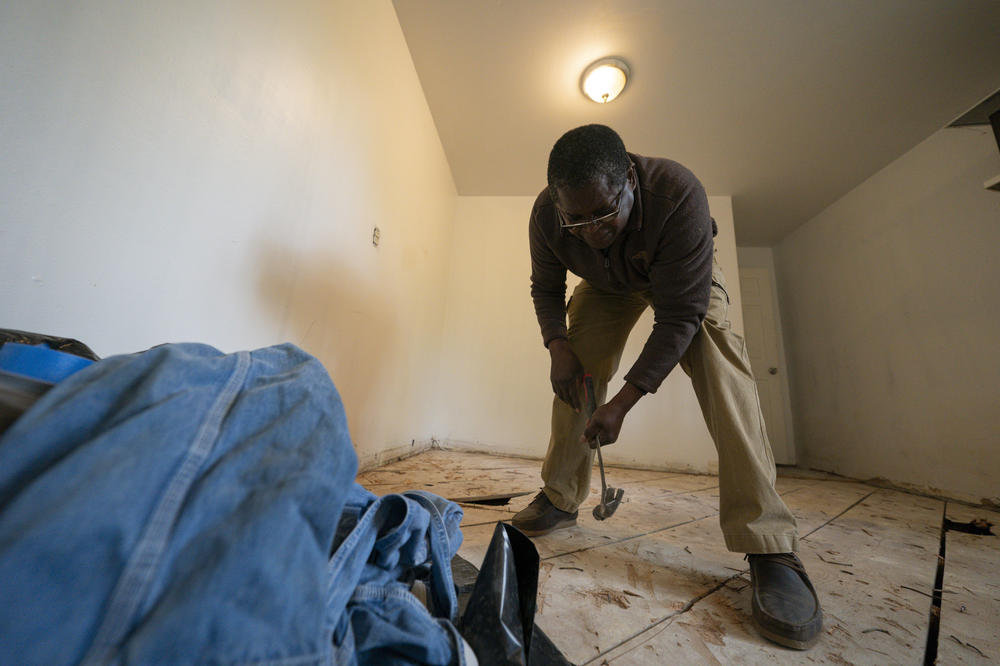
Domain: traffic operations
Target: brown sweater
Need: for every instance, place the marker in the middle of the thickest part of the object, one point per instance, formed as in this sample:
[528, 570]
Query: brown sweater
[665, 249]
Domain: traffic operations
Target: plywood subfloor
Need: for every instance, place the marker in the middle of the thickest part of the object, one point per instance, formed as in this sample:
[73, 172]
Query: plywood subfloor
[654, 584]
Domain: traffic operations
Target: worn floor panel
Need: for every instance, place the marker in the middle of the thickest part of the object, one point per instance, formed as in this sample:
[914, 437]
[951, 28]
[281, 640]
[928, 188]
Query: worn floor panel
[655, 584]
[970, 604]
[873, 567]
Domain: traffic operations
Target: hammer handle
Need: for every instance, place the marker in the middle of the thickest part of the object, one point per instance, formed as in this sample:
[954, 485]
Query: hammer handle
[588, 390]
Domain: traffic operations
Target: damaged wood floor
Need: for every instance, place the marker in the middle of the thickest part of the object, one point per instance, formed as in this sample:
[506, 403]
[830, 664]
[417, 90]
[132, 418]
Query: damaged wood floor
[654, 584]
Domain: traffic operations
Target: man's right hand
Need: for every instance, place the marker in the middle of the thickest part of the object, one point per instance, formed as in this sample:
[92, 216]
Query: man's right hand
[567, 373]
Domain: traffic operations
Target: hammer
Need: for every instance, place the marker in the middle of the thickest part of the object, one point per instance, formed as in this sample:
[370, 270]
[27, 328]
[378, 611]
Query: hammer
[610, 497]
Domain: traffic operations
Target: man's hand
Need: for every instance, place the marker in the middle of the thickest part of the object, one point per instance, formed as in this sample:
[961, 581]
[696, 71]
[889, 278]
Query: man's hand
[566, 374]
[605, 424]
[607, 419]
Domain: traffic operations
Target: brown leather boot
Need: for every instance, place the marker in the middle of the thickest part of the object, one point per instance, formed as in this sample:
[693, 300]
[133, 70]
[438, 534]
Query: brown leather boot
[541, 517]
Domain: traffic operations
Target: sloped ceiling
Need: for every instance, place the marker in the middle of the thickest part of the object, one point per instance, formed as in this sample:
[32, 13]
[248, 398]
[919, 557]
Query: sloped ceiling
[783, 104]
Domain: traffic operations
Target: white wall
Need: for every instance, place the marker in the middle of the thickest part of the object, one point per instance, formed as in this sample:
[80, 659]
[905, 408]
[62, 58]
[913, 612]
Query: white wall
[889, 299]
[496, 391]
[212, 171]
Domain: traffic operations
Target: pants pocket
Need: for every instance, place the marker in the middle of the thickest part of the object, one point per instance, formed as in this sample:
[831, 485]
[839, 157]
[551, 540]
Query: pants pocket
[718, 304]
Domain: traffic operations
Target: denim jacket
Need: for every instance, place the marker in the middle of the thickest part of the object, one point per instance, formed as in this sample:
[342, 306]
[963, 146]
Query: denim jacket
[182, 505]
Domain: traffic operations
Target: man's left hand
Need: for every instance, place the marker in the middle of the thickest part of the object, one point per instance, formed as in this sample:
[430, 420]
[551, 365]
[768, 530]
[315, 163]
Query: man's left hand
[606, 421]
[605, 424]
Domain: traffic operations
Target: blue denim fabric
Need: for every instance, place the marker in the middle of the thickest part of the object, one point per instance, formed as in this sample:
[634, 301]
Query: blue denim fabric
[382, 543]
[181, 506]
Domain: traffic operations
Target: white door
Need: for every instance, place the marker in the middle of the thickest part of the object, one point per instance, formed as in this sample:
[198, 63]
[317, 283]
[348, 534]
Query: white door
[760, 325]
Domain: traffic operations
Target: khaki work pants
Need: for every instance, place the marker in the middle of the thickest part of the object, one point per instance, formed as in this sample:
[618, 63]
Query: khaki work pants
[753, 516]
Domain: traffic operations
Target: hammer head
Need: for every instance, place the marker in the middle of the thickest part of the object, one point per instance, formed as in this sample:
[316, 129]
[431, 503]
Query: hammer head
[609, 503]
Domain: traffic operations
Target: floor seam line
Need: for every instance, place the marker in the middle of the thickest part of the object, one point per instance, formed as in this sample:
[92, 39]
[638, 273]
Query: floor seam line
[488, 522]
[657, 478]
[630, 538]
[687, 607]
[467, 505]
[934, 615]
[691, 492]
[817, 529]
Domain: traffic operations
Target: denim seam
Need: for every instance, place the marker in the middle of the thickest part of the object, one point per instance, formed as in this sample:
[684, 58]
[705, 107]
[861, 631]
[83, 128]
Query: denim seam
[347, 548]
[399, 533]
[440, 546]
[371, 592]
[138, 574]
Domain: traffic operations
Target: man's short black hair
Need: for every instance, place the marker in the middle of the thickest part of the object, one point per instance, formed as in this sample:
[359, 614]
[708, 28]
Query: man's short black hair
[583, 155]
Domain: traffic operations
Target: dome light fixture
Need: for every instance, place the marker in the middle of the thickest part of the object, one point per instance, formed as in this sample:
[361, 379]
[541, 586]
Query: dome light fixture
[604, 79]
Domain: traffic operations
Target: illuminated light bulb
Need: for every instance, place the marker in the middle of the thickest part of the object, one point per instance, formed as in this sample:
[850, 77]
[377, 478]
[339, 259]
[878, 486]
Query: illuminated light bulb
[605, 79]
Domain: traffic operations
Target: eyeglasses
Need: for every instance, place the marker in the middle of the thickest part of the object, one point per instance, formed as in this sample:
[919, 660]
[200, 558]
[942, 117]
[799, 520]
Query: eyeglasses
[565, 223]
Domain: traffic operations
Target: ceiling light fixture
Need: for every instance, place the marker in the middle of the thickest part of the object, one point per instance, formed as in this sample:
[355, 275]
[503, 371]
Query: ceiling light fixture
[604, 79]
